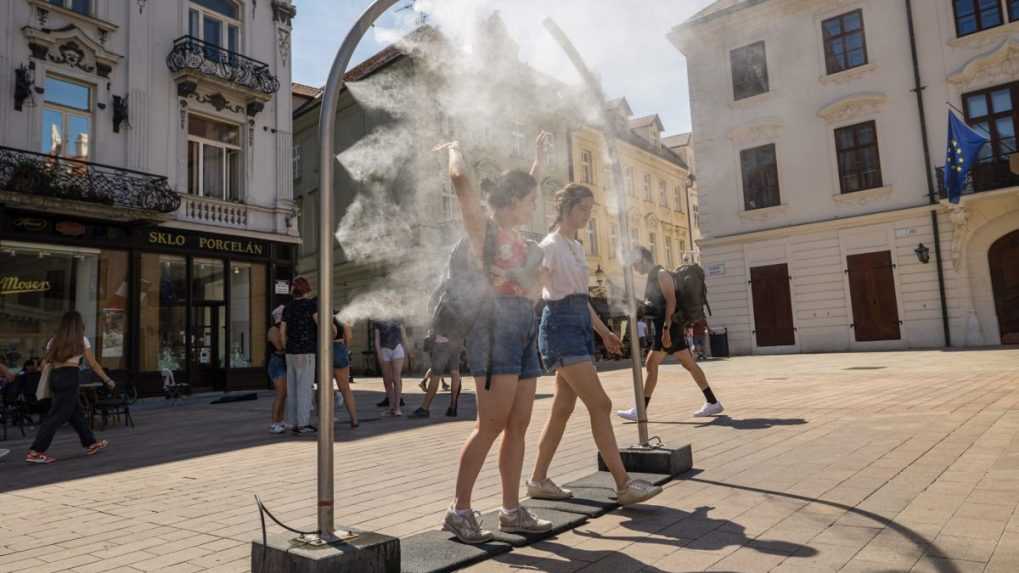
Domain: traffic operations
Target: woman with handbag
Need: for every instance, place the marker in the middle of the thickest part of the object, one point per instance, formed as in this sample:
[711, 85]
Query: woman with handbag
[60, 377]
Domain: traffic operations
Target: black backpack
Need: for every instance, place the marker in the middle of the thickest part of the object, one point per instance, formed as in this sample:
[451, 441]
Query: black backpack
[691, 294]
[465, 293]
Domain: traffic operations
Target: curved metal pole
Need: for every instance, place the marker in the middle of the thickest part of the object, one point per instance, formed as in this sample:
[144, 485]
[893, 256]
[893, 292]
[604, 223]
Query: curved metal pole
[624, 223]
[327, 143]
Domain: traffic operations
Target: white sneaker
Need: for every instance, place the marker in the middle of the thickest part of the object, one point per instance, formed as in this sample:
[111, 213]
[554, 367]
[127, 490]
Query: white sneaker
[547, 489]
[277, 428]
[709, 410]
[522, 520]
[637, 491]
[4, 452]
[630, 414]
[466, 527]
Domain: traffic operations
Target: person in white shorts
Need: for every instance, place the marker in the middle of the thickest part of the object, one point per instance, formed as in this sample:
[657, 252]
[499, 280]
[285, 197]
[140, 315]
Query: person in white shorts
[389, 346]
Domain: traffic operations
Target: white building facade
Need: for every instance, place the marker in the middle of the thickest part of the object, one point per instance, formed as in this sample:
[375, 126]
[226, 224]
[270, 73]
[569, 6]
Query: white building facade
[146, 181]
[820, 178]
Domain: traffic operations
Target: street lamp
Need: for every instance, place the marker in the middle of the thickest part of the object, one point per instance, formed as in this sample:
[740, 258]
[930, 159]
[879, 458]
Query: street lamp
[599, 276]
[923, 254]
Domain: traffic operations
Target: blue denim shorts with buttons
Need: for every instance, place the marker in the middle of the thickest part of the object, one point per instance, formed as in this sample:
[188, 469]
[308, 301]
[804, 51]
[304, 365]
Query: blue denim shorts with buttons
[566, 335]
[515, 335]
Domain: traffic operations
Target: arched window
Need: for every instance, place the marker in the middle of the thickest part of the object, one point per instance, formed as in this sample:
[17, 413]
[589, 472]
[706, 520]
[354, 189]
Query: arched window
[216, 22]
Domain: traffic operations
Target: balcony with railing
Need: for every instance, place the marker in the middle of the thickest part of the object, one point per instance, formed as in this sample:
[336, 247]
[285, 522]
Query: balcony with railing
[28, 178]
[194, 57]
[984, 177]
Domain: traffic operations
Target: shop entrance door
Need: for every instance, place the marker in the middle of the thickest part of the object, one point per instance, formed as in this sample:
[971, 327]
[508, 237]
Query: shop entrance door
[1004, 261]
[208, 344]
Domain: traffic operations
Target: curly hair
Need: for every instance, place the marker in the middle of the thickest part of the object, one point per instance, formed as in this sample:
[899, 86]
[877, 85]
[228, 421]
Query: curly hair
[566, 199]
[509, 186]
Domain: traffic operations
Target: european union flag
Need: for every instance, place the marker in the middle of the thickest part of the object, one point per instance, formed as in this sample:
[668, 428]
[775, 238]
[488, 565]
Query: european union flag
[963, 146]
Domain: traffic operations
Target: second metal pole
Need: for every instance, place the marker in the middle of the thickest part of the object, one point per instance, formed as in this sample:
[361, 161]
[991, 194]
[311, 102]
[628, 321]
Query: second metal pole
[624, 226]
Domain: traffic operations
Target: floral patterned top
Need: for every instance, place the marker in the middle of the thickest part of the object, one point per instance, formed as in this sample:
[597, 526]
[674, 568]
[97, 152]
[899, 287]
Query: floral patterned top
[514, 268]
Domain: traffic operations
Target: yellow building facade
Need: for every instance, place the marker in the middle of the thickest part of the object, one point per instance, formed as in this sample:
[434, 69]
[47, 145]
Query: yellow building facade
[656, 183]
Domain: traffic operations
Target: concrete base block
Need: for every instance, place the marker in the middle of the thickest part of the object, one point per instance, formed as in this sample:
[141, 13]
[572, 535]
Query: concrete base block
[368, 553]
[663, 461]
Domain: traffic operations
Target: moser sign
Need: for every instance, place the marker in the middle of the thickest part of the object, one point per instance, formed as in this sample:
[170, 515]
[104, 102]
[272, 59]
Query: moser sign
[16, 285]
[203, 243]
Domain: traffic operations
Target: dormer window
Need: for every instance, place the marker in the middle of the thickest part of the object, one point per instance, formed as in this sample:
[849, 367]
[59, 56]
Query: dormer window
[79, 6]
[216, 22]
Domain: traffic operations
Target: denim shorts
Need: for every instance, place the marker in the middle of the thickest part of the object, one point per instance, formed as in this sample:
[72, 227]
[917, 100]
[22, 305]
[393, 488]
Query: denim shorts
[277, 366]
[515, 336]
[341, 356]
[566, 336]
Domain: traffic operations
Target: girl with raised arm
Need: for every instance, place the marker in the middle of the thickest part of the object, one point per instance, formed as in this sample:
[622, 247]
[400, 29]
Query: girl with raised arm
[502, 344]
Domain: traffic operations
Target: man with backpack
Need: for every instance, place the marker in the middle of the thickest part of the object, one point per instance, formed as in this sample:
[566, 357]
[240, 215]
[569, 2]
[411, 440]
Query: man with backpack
[673, 301]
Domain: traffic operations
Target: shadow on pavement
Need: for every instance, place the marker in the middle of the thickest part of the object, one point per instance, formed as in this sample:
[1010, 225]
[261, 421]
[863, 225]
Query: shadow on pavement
[195, 428]
[927, 546]
[737, 424]
[677, 527]
[607, 561]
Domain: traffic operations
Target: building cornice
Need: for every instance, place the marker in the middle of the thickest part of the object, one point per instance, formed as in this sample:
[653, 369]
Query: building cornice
[815, 226]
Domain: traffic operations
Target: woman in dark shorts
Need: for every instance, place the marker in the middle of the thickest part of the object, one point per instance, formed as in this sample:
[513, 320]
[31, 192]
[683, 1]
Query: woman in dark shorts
[341, 367]
[277, 368]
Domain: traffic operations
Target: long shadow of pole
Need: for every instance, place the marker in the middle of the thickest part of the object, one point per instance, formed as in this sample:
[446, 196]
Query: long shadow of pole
[942, 565]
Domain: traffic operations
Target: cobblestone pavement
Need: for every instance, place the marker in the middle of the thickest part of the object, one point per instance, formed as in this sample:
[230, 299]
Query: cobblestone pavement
[837, 462]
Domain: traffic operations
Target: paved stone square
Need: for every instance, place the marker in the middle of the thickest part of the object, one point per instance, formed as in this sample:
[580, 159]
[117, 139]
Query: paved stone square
[838, 462]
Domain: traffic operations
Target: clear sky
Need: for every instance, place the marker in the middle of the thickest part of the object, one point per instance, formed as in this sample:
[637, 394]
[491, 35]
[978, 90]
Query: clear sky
[623, 41]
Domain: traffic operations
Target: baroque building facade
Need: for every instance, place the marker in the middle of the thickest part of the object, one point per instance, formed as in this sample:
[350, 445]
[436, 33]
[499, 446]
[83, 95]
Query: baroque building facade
[145, 181]
[825, 223]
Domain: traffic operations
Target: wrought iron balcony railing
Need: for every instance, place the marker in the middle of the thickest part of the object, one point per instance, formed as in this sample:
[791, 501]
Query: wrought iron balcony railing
[983, 177]
[41, 175]
[190, 53]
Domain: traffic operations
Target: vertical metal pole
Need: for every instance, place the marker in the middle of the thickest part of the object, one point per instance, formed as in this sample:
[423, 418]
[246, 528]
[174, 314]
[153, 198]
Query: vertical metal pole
[624, 224]
[327, 142]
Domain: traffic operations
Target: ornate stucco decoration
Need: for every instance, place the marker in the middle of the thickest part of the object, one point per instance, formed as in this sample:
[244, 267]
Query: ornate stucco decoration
[284, 44]
[651, 221]
[998, 66]
[764, 214]
[848, 75]
[985, 38]
[71, 46]
[765, 130]
[283, 12]
[860, 198]
[854, 106]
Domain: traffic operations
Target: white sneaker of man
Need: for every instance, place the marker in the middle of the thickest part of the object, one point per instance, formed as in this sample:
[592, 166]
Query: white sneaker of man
[709, 409]
[630, 414]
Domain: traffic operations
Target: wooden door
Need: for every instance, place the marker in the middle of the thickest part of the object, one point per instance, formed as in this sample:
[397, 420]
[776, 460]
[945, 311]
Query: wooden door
[872, 289]
[1003, 257]
[773, 308]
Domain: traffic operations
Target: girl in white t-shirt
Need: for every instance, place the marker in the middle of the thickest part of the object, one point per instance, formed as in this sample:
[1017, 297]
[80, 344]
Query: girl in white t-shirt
[566, 342]
[63, 354]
